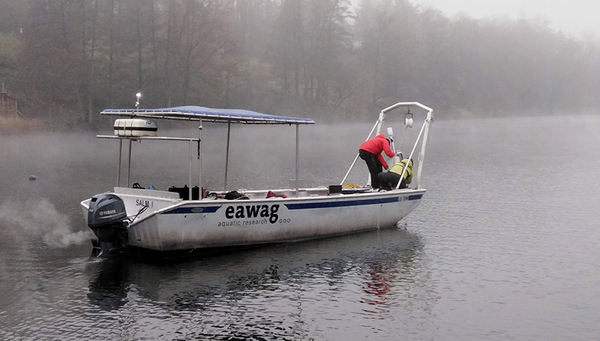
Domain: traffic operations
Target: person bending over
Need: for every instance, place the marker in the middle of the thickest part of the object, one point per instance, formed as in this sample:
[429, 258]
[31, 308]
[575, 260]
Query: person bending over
[370, 151]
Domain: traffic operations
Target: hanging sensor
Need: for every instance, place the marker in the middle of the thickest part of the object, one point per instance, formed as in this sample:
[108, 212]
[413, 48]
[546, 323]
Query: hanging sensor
[408, 119]
[390, 133]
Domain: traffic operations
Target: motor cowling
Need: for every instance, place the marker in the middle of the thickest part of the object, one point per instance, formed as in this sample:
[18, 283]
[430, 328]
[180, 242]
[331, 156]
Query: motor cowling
[105, 209]
[107, 219]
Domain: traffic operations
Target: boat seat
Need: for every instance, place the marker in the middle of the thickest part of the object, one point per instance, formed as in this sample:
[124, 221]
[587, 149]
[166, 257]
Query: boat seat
[184, 192]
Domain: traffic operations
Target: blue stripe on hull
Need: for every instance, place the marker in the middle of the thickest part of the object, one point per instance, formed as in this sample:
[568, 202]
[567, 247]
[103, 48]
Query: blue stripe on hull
[190, 210]
[302, 206]
[309, 205]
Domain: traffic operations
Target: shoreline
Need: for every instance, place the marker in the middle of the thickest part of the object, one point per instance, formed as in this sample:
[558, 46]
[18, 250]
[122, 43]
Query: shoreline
[17, 125]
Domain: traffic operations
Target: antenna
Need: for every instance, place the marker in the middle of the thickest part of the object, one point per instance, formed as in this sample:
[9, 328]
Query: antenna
[137, 102]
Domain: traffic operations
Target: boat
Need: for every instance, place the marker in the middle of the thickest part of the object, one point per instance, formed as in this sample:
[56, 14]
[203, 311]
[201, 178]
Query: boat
[200, 219]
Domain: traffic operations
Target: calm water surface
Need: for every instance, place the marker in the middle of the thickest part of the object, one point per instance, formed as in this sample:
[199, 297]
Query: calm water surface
[503, 247]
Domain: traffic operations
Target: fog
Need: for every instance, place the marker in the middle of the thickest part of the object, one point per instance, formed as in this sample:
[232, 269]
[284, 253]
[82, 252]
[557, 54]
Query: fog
[571, 17]
[39, 219]
[503, 245]
[273, 57]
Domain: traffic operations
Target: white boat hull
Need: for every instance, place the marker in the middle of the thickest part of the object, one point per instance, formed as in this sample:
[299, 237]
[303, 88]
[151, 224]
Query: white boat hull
[171, 224]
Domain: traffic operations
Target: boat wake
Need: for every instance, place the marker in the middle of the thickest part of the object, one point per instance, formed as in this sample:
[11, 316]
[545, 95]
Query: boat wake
[39, 218]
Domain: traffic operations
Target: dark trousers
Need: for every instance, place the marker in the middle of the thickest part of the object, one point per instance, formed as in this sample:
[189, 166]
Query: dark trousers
[374, 166]
[389, 180]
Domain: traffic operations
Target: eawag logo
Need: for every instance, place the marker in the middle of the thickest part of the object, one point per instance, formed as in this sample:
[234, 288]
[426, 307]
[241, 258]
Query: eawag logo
[253, 211]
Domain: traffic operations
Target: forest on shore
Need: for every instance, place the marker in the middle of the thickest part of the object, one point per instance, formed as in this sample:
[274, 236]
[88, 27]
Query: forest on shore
[65, 60]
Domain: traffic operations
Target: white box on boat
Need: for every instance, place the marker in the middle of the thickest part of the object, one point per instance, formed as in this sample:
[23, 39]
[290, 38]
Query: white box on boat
[135, 127]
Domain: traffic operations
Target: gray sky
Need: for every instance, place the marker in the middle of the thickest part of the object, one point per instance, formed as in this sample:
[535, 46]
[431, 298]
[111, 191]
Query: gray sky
[573, 17]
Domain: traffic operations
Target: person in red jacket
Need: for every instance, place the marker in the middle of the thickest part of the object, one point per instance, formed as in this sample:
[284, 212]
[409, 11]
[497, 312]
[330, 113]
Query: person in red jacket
[370, 151]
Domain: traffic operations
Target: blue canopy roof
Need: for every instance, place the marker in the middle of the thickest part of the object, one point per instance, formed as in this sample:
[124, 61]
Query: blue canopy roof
[195, 113]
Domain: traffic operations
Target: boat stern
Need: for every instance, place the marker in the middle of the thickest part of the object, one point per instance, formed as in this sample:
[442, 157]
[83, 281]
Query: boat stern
[85, 205]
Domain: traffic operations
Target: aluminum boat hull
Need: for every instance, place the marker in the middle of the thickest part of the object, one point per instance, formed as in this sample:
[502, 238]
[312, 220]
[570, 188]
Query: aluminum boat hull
[170, 224]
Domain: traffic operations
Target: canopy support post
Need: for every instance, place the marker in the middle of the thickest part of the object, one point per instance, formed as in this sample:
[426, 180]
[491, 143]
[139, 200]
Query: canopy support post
[129, 164]
[200, 189]
[227, 153]
[120, 157]
[190, 171]
[297, 155]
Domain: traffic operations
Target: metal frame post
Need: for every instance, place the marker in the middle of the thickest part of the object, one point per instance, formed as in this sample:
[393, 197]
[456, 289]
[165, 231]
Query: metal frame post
[297, 155]
[423, 146]
[411, 156]
[190, 170]
[200, 190]
[356, 157]
[227, 154]
[129, 164]
[120, 157]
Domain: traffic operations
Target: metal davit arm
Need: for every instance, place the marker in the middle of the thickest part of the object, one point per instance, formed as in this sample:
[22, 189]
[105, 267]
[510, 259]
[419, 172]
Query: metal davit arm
[425, 133]
[423, 146]
[411, 156]
[378, 122]
[407, 104]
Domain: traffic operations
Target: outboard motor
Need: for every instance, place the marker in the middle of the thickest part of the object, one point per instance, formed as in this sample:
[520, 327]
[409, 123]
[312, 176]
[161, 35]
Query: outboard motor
[107, 219]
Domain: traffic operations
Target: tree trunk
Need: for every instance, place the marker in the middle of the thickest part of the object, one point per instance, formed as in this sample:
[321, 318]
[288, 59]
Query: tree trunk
[111, 53]
[153, 31]
[91, 67]
[168, 55]
[84, 92]
[140, 45]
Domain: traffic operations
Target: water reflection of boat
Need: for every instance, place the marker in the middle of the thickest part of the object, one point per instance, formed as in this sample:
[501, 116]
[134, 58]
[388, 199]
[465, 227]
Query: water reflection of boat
[109, 287]
[186, 219]
[382, 259]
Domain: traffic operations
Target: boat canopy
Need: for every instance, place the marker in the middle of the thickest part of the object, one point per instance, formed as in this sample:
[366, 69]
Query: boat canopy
[196, 113]
[201, 114]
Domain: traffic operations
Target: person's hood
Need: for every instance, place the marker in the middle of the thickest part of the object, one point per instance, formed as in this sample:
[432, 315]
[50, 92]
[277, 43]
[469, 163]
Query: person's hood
[387, 139]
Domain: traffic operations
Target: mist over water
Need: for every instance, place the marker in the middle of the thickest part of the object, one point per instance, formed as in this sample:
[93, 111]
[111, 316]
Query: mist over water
[39, 219]
[502, 247]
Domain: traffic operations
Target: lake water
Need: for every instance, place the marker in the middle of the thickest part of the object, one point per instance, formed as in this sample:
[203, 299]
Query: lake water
[503, 247]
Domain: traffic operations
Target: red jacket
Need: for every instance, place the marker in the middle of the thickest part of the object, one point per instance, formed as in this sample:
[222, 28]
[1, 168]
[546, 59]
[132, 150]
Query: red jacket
[376, 146]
